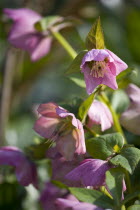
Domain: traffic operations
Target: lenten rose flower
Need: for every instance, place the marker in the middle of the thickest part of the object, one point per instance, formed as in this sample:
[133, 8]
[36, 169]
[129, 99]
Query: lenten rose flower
[101, 66]
[130, 119]
[64, 204]
[25, 170]
[49, 195]
[99, 113]
[23, 34]
[59, 125]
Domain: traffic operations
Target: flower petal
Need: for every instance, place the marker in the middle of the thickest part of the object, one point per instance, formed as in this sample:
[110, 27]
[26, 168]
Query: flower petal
[91, 172]
[64, 204]
[100, 114]
[120, 65]
[24, 169]
[48, 110]
[110, 80]
[46, 127]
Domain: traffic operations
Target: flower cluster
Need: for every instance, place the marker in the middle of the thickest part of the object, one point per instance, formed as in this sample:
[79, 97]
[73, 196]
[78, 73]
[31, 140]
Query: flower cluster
[72, 163]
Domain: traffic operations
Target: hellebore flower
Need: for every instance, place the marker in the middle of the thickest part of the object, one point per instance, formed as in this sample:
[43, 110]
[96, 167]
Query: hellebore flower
[91, 172]
[59, 125]
[49, 195]
[25, 170]
[23, 34]
[101, 66]
[130, 119]
[99, 113]
[64, 204]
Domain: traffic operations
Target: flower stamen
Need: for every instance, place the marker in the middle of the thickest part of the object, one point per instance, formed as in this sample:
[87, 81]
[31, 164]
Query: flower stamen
[99, 68]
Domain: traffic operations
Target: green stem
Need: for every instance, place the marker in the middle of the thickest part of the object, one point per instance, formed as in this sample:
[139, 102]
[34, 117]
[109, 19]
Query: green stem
[64, 43]
[117, 126]
[91, 131]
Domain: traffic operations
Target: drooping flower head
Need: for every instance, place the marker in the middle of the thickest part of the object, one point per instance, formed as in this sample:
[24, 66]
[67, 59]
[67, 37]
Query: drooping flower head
[25, 170]
[101, 66]
[99, 113]
[23, 34]
[61, 126]
[91, 172]
[130, 119]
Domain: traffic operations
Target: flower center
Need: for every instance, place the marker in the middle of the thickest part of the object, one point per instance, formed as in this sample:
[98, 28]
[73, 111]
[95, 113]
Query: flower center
[98, 68]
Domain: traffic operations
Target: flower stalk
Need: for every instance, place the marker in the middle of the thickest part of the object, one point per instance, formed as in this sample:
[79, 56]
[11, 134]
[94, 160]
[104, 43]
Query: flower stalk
[64, 43]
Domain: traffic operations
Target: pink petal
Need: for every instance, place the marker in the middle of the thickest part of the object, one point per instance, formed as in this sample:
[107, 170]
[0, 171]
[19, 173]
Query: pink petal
[46, 127]
[110, 80]
[134, 94]
[41, 49]
[48, 110]
[90, 173]
[25, 170]
[64, 113]
[94, 54]
[100, 114]
[65, 204]
[91, 82]
[120, 65]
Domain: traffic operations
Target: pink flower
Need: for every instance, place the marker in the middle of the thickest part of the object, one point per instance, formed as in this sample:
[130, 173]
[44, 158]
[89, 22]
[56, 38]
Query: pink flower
[91, 172]
[130, 119]
[59, 125]
[101, 67]
[100, 114]
[23, 34]
[25, 170]
[49, 195]
[64, 204]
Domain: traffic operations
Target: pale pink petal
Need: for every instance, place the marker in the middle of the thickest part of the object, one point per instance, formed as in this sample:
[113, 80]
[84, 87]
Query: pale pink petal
[110, 80]
[46, 127]
[91, 82]
[64, 113]
[25, 170]
[134, 94]
[100, 114]
[41, 49]
[120, 65]
[48, 110]
[94, 54]
[65, 204]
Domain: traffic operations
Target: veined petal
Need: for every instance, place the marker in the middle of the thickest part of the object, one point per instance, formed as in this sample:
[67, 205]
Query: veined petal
[110, 80]
[120, 65]
[48, 110]
[46, 127]
[91, 172]
[100, 114]
[25, 170]
[134, 94]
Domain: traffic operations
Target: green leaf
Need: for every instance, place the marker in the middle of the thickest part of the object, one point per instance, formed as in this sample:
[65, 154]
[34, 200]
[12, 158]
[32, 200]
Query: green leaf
[59, 184]
[134, 207]
[114, 181]
[128, 158]
[46, 22]
[130, 197]
[83, 109]
[78, 80]
[38, 151]
[92, 196]
[95, 38]
[104, 146]
[75, 65]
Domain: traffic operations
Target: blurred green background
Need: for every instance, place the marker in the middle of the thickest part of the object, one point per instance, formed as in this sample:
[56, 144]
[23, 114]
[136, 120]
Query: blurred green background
[24, 85]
